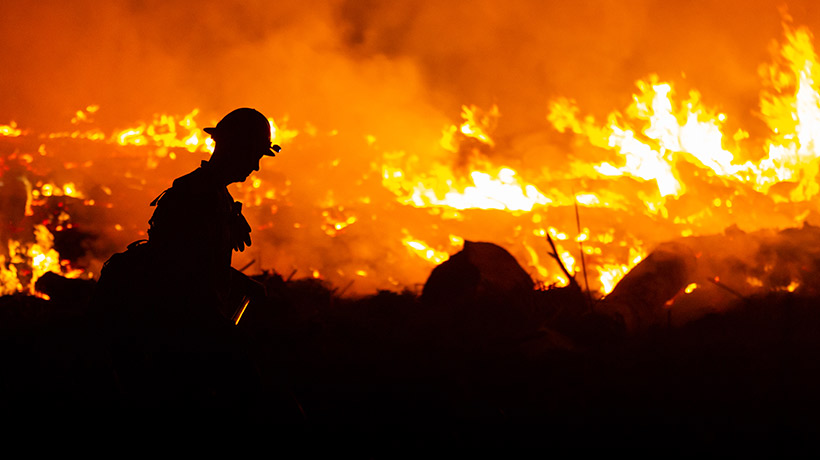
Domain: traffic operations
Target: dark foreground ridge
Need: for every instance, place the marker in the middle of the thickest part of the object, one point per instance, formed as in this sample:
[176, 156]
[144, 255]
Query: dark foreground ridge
[391, 369]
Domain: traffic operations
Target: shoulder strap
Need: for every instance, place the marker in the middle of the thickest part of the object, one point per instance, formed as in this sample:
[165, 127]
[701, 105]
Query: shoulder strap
[156, 200]
[137, 243]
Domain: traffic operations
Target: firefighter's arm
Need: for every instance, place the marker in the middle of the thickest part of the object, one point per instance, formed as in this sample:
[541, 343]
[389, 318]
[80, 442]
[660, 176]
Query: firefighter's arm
[250, 287]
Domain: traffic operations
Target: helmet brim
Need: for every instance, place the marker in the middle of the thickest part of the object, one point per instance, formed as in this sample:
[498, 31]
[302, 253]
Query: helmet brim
[274, 148]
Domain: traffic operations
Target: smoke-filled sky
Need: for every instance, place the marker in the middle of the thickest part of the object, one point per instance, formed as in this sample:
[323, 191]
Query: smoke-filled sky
[375, 65]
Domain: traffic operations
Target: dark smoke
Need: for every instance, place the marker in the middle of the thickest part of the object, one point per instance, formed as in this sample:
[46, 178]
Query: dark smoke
[330, 62]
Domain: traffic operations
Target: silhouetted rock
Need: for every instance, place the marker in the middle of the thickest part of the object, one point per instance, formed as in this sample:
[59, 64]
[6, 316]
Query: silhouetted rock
[481, 295]
[639, 298]
[480, 270]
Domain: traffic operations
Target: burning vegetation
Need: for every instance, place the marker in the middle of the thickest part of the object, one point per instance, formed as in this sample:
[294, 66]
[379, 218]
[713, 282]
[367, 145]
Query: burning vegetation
[666, 167]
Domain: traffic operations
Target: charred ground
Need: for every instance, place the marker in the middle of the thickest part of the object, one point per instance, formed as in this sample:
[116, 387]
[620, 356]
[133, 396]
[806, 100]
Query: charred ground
[392, 368]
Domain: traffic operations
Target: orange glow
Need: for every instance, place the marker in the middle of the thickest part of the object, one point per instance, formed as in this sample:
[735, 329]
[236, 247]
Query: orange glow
[382, 205]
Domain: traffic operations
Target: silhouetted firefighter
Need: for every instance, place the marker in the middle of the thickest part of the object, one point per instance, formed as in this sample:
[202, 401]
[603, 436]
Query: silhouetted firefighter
[170, 303]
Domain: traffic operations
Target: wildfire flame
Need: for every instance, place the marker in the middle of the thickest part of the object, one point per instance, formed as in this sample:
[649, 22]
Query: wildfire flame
[33, 259]
[665, 166]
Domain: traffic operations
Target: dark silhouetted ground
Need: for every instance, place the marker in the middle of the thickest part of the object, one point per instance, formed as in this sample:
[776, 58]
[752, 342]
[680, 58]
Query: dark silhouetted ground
[389, 370]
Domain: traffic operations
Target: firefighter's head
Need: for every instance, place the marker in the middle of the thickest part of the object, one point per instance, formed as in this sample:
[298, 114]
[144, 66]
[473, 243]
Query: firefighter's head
[241, 139]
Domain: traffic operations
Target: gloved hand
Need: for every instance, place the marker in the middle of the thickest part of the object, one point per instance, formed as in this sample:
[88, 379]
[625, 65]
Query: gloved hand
[240, 229]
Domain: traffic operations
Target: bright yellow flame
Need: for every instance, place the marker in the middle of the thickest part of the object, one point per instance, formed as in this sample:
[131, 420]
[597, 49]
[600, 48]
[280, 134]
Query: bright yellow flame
[9, 282]
[482, 186]
[609, 276]
[163, 132]
[423, 250]
[40, 257]
[498, 188]
[10, 130]
[656, 131]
